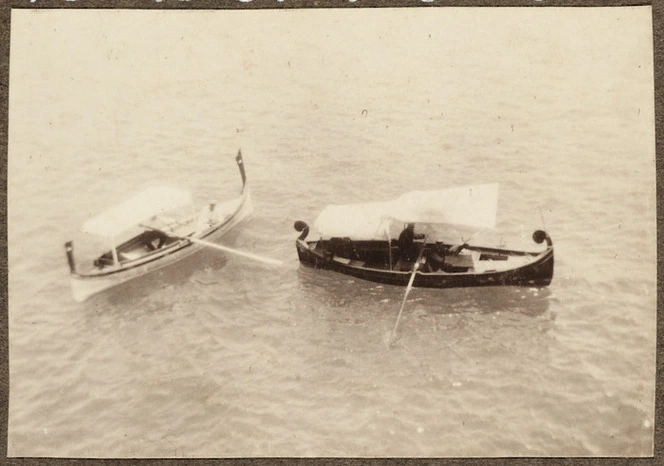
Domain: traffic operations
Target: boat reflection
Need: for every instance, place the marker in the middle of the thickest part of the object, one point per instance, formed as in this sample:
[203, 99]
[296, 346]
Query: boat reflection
[151, 287]
[338, 291]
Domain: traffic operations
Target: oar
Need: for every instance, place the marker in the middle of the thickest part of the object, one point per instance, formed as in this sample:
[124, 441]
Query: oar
[408, 288]
[249, 255]
[266, 260]
[457, 249]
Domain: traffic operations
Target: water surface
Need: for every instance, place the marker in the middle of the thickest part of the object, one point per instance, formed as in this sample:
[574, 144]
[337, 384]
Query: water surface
[220, 356]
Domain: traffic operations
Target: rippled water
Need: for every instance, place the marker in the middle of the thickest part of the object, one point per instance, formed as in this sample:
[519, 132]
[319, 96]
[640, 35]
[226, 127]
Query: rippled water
[220, 356]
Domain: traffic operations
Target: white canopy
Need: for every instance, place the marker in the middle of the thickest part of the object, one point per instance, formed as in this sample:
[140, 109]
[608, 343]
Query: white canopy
[138, 208]
[358, 221]
[469, 206]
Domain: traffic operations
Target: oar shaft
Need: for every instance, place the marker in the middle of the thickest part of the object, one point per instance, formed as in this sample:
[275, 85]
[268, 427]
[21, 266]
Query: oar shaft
[408, 288]
[267, 260]
[403, 303]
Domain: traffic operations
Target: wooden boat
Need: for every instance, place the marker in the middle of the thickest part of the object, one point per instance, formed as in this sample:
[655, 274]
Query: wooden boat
[356, 240]
[156, 238]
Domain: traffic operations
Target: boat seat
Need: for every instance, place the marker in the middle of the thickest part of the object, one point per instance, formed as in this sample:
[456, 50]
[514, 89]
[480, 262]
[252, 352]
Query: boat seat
[106, 260]
[459, 260]
[349, 262]
[130, 256]
[343, 260]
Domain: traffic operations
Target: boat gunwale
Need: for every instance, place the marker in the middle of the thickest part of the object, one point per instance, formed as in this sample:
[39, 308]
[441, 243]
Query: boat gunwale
[165, 251]
[151, 260]
[539, 257]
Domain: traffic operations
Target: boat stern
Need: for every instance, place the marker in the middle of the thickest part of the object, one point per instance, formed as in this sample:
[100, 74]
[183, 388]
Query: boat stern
[69, 250]
[306, 251]
[83, 287]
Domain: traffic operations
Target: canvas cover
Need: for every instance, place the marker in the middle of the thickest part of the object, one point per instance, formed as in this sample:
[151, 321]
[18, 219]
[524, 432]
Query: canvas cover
[467, 206]
[140, 207]
[358, 221]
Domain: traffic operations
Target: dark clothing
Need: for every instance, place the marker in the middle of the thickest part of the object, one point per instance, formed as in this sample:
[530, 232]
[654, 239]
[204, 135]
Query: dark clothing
[407, 249]
[406, 239]
[154, 239]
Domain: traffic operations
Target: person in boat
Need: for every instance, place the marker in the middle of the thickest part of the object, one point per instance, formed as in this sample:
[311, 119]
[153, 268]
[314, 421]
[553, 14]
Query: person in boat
[155, 239]
[406, 238]
[408, 249]
[438, 253]
[208, 217]
[155, 236]
[437, 256]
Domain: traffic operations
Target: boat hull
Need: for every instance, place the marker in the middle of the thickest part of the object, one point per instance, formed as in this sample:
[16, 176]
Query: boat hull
[535, 270]
[104, 276]
[84, 285]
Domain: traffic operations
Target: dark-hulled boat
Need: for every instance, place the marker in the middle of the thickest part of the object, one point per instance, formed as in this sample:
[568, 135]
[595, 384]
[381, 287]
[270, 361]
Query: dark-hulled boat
[355, 240]
[159, 238]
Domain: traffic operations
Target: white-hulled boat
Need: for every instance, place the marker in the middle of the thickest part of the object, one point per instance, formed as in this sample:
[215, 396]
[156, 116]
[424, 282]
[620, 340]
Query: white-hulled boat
[161, 240]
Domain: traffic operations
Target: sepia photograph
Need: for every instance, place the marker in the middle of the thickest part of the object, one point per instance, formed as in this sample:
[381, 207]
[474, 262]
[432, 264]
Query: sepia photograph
[331, 232]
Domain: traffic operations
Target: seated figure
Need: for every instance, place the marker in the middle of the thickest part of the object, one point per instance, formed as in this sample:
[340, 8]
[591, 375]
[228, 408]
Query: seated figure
[437, 256]
[446, 258]
[155, 239]
[408, 249]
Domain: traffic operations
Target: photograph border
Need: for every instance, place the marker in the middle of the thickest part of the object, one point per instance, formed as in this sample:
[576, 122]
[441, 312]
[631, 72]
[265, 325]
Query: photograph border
[5, 32]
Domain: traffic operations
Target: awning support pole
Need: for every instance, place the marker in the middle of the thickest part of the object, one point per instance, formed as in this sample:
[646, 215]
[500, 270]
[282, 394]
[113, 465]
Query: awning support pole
[114, 251]
[389, 250]
[389, 243]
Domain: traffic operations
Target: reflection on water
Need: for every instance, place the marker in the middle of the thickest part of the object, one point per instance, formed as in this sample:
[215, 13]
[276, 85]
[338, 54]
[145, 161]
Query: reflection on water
[196, 268]
[458, 321]
[200, 269]
[339, 290]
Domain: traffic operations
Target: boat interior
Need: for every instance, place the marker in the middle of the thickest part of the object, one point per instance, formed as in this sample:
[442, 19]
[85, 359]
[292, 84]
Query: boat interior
[438, 257]
[143, 244]
[151, 241]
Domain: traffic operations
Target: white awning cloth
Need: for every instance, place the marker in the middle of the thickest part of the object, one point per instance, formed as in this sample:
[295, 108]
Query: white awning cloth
[140, 207]
[468, 206]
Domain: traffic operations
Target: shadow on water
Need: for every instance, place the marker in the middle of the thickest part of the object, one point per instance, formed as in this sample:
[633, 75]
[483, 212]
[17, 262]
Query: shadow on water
[156, 289]
[339, 291]
[356, 313]
[160, 288]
